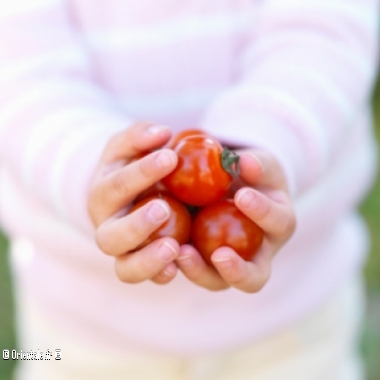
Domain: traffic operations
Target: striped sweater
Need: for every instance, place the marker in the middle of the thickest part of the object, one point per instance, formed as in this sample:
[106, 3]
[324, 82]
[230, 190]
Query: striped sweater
[291, 76]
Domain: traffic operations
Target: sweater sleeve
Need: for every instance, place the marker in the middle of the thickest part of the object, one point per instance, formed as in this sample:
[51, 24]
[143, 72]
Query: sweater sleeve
[306, 72]
[54, 118]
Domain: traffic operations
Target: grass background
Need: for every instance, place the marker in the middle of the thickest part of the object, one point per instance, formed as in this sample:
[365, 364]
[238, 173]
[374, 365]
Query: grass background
[371, 336]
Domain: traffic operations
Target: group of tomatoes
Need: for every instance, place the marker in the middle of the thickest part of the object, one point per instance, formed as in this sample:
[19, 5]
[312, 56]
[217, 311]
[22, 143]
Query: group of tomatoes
[197, 194]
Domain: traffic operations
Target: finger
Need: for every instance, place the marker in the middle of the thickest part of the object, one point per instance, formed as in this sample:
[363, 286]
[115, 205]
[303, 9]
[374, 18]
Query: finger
[167, 275]
[139, 137]
[120, 187]
[247, 276]
[261, 169]
[196, 270]
[125, 234]
[275, 216]
[147, 263]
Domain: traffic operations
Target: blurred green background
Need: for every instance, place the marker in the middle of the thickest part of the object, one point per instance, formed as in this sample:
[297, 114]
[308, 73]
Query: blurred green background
[371, 335]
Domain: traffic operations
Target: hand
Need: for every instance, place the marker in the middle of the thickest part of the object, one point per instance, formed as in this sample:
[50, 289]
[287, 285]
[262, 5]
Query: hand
[263, 196]
[119, 178]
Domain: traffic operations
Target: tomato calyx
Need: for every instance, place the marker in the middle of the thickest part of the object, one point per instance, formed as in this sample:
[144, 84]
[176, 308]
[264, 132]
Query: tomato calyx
[230, 162]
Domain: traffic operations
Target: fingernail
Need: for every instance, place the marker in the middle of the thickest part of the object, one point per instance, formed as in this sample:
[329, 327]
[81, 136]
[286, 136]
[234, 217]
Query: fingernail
[224, 262]
[158, 211]
[165, 159]
[258, 162]
[156, 129]
[170, 271]
[185, 260]
[245, 198]
[167, 252]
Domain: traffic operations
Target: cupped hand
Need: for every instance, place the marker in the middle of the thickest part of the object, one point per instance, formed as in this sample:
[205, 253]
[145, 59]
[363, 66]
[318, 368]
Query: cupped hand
[261, 194]
[126, 169]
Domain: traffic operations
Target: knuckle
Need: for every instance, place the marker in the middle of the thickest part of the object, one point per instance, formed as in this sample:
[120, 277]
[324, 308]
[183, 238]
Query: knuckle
[263, 209]
[93, 195]
[111, 146]
[196, 277]
[150, 267]
[141, 125]
[125, 275]
[137, 231]
[119, 184]
[258, 285]
[113, 140]
[279, 175]
[146, 167]
[102, 241]
[211, 284]
[131, 280]
[135, 130]
[254, 288]
[91, 204]
[162, 278]
[253, 284]
[288, 225]
[238, 281]
[217, 287]
[160, 281]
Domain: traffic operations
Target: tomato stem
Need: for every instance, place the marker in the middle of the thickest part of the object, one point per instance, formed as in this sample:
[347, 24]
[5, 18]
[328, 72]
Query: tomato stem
[230, 162]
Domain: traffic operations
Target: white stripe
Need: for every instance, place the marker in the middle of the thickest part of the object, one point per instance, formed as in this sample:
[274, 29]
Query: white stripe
[362, 159]
[366, 15]
[297, 39]
[168, 32]
[262, 95]
[46, 129]
[328, 88]
[62, 58]
[170, 104]
[45, 90]
[10, 8]
[70, 143]
[33, 95]
[14, 200]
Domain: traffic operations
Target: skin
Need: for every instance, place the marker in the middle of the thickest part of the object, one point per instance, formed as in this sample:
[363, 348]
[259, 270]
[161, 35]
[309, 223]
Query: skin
[178, 226]
[268, 204]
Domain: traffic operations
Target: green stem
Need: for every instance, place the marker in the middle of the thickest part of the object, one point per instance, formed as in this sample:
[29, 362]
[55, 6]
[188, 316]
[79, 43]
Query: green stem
[230, 162]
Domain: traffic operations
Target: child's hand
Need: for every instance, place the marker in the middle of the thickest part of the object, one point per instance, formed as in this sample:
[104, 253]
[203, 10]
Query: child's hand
[269, 206]
[120, 177]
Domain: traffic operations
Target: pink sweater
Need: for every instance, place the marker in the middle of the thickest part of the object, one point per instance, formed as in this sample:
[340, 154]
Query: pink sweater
[294, 77]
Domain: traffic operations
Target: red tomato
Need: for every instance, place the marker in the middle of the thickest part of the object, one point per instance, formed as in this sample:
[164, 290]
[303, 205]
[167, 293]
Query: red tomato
[155, 189]
[178, 226]
[186, 133]
[204, 171]
[223, 224]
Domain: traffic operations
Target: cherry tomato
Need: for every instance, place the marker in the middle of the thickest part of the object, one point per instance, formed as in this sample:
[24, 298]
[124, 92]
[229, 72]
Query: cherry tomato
[186, 133]
[178, 226]
[204, 171]
[223, 224]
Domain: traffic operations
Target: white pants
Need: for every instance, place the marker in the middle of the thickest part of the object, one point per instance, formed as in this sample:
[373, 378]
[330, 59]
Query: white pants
[322, 346]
